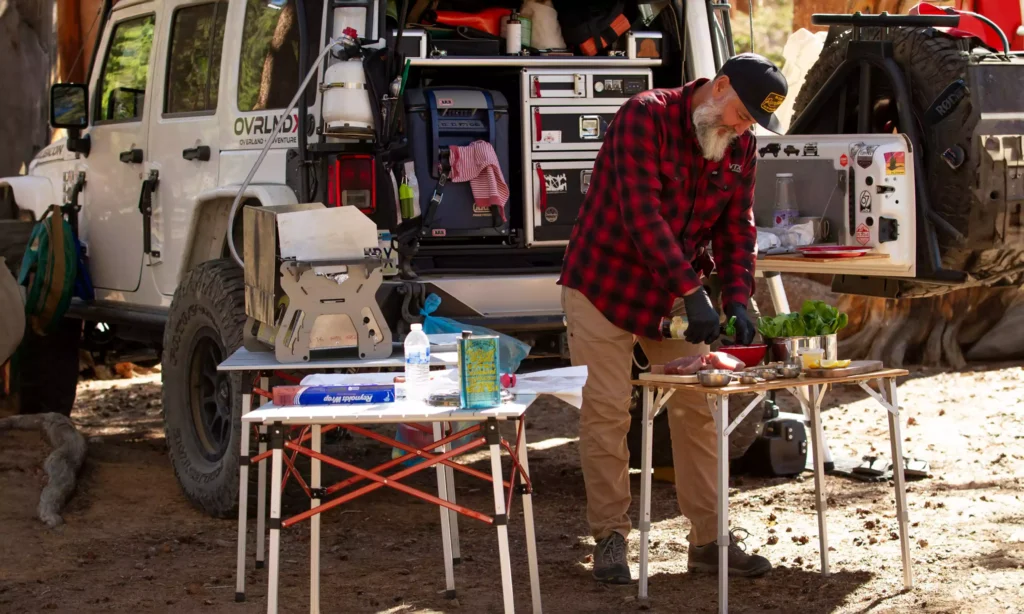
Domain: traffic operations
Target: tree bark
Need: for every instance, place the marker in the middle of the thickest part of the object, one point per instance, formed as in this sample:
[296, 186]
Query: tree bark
[26, 49]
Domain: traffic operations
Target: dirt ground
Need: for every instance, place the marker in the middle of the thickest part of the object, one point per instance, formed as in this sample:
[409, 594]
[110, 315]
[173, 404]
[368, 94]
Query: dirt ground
[132, 543]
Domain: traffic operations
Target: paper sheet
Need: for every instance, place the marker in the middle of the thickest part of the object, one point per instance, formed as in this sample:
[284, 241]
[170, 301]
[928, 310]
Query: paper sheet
[565, 383]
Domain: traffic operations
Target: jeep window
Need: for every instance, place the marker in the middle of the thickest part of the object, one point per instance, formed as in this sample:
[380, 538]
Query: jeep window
[193, 67]
[122, 88]
[268, 71]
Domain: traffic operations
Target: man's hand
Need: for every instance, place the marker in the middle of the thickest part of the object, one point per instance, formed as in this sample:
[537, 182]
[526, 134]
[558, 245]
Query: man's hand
[703, 325]
[744, 326]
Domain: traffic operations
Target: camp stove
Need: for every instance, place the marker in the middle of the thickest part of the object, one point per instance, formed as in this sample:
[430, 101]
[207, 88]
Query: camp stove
[311, 280]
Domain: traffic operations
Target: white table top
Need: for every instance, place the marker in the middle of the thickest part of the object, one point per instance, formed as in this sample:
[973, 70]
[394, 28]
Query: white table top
[244, 360]
[385, 413]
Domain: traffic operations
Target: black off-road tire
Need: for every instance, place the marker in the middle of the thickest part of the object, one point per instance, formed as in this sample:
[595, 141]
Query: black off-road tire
[931, 61]
[202, 408]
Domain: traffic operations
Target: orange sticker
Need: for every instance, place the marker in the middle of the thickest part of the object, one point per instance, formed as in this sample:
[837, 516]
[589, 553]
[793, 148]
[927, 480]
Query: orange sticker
[895, 163]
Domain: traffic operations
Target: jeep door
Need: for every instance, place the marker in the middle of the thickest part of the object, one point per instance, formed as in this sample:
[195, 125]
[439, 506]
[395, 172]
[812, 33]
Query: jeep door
[183, 129]
[116, 167]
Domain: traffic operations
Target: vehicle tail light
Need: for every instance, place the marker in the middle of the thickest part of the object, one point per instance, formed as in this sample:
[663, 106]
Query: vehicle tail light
[352, 181]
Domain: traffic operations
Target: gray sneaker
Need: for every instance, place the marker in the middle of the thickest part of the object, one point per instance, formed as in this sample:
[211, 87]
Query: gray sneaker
[610, 564]
[705, 559]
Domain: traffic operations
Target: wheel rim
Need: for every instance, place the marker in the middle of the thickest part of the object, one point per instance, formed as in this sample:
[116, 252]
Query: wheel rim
[210, 395]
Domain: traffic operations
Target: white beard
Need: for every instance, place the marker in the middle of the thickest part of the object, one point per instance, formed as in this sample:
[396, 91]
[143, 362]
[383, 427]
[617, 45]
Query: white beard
[714, 138]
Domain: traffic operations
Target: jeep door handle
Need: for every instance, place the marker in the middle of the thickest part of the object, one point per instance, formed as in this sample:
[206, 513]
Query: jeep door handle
[199, 152]
[132, 156]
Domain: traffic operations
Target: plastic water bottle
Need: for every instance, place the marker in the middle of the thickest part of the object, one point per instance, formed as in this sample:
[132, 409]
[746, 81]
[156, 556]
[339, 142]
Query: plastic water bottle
[786, 210]
[417, 364]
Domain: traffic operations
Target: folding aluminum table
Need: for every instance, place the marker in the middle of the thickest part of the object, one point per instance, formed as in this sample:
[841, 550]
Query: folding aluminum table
[809, 392]
[317, 420]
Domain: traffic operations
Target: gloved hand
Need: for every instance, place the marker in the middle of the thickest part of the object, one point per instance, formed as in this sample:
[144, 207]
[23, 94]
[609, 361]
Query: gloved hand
[744, 326]
[703, 325]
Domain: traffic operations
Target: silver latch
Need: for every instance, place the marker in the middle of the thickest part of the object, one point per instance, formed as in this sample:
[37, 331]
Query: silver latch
[579, 85]
[590, 127]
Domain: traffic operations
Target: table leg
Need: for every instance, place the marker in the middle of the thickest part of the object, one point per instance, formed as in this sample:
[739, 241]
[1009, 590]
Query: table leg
[531, 537]
[243, 501]
[500, 517]
[261, 492]
[453, 517]
[646, 443]
[277, 444]
[314, 525]
[446, 527]
[819, 474]
[721, 419]
[896, 442]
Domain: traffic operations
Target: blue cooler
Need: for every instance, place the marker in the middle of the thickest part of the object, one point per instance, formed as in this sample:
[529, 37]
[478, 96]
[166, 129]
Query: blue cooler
[437, 118]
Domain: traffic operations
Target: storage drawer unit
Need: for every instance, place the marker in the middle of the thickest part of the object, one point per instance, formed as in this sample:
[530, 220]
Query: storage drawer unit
[566, 115]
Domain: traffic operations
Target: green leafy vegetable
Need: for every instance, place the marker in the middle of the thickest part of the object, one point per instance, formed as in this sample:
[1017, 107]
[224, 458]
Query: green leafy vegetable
[730, 327]
[815, 318]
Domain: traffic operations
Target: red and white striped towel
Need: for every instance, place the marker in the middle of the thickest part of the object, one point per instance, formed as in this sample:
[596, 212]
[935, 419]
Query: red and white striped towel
[477, 163]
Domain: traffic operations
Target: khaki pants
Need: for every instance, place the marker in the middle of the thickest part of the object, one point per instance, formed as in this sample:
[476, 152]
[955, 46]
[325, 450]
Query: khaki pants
[607, 352]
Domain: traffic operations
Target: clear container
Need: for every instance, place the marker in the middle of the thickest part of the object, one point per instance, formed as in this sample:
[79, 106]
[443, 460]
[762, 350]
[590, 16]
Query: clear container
[812, 358]
[786, 210]
[417, 364]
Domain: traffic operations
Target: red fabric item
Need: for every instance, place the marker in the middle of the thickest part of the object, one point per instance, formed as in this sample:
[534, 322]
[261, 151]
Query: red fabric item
[477, 163]
[653, 206]
[542, 183]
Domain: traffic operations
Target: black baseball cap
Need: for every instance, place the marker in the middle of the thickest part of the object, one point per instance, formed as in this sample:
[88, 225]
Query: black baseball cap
[760, 85]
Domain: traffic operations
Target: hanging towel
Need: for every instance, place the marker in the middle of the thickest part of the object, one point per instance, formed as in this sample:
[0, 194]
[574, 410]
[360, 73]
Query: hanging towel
[477, 163]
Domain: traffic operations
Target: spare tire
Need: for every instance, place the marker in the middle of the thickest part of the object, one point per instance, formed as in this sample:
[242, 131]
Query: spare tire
[931, 61]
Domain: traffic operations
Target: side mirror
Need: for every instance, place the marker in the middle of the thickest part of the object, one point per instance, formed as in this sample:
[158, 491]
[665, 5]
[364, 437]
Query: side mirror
[69, 106]
[69, 109]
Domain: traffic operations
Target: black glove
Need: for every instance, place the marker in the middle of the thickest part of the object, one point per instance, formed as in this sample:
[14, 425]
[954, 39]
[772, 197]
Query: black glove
[744, 326]
[703, 325]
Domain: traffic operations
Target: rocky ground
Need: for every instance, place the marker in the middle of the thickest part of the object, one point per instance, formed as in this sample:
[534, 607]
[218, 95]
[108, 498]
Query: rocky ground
[132, 543]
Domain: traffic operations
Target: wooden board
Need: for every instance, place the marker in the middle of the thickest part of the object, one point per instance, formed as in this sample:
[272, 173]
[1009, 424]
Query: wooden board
[857, 367]
[799, 258]
[669, 379]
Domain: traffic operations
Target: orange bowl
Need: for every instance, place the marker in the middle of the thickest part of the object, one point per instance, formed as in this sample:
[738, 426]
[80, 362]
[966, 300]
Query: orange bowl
[749, 355]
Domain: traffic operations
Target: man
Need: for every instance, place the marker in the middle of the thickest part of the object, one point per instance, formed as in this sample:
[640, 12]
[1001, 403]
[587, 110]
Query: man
[676, 171]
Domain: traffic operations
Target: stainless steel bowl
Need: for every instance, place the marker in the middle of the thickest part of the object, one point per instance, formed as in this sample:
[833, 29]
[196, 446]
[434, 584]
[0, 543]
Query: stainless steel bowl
[768, 374]
[714, 378]
[790, 371]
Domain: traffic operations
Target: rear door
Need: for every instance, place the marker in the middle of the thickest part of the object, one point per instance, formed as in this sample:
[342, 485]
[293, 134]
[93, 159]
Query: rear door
[183, 129]
[121, 99]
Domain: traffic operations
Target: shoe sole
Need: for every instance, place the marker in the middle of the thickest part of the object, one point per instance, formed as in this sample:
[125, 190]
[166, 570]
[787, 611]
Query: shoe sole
[742, 573]
[613, 579]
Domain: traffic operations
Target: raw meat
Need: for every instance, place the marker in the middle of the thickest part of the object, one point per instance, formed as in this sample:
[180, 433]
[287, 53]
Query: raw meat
[687, 365]
[721, 360]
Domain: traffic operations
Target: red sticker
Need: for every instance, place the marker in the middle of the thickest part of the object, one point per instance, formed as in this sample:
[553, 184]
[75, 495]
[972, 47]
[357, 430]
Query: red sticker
[863, 235]
[843, 160]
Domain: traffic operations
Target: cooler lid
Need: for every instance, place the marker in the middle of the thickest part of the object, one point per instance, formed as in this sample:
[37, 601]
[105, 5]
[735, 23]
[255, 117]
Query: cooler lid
[454, 98]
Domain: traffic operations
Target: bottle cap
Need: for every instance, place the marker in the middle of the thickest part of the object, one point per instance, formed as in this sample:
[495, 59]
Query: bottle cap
[416, 326]
[783, 174]
[350, 31]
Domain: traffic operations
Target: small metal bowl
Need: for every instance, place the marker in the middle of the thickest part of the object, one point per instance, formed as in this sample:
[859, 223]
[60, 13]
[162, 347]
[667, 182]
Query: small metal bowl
[714, 378]
[790, 371]
[749, 379]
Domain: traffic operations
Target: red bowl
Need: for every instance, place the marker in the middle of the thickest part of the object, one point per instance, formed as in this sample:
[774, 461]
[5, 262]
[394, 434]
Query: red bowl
[749, 355]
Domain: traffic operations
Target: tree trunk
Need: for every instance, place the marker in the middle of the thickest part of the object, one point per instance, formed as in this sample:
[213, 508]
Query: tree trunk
[26, 55]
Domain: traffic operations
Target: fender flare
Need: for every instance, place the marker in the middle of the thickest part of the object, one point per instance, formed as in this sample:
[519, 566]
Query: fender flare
[32, 193]
[212, 238]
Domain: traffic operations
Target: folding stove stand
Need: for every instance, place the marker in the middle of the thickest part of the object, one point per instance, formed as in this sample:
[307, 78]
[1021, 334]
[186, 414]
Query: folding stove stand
[299, 430]
[810, 392]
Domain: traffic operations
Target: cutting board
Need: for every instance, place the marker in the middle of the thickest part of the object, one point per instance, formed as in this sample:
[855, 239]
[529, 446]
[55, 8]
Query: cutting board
[800, 258]
[857, 367]
[669, 379]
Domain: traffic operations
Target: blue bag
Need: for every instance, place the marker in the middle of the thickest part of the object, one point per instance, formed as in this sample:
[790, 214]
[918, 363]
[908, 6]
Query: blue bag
[511, 351]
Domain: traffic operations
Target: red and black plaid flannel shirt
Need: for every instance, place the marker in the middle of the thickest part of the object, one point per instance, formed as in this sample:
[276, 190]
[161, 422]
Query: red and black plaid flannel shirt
[653, 205]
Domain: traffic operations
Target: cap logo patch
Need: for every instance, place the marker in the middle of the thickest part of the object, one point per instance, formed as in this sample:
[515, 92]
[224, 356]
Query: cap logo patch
[772, 102]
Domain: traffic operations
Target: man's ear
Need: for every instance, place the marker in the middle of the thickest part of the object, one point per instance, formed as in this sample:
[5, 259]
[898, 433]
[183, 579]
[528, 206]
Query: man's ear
[721, 85]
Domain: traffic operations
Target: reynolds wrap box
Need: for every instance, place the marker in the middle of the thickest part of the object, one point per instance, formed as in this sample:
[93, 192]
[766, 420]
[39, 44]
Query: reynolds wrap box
[363, 394]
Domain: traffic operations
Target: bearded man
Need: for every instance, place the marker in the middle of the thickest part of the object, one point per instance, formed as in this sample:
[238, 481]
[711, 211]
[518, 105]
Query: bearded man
[675, 172]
